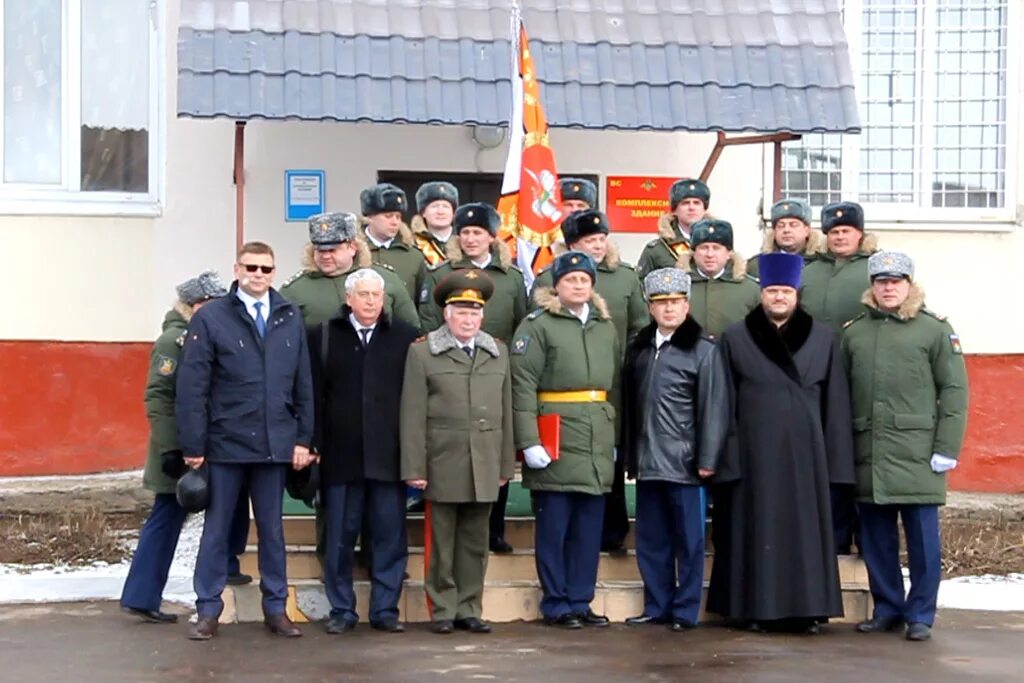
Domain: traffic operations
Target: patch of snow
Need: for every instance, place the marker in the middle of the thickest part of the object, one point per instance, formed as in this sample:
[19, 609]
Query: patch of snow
[101, 580]
[988, 593]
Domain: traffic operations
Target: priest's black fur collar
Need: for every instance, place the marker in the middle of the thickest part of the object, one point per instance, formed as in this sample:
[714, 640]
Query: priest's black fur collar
[780, 344]
[685, 337]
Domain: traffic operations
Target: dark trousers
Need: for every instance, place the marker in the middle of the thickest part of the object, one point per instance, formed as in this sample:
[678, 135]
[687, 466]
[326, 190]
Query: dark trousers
[616, 517]
[158, 539]
[568, 549]
[266, 489]
[382, 505]
[497, 519]
[670, 549]
[880, 548]
[844, 517]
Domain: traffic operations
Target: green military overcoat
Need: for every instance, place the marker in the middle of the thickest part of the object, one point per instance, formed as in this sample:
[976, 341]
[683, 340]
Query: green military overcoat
[716, 303]
[909, 388]
[504, 310]
[159, 398]
[552, 351]
[402, 257]
[832, 287]
[456, 421]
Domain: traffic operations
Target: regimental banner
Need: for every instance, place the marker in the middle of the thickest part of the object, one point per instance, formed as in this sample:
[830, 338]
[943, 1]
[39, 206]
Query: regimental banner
[635, 203]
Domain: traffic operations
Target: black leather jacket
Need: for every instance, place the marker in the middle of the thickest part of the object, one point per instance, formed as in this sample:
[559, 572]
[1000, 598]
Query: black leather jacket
[675, 405]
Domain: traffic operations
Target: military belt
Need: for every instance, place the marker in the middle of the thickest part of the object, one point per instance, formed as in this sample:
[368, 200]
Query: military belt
[582, 396]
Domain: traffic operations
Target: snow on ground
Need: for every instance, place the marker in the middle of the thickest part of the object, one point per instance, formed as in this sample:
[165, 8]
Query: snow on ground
[100, 581]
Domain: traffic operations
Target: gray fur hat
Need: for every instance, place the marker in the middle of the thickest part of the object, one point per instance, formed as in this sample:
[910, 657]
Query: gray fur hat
[890, 264]
[205, 286]
[438, 190]
[328, 230]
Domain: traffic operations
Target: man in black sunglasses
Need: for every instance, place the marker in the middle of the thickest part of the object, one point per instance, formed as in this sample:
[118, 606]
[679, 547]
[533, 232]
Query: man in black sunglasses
[244, 410]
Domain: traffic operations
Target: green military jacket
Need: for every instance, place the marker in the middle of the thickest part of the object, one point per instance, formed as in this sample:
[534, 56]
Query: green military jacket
[716, 303]
[403, 258]
[665, 251]
[908, 384]
[619, 286]
[832, 287]
[320, 297]
[456, 420]
[504, 310]
[814, 247]
[159, 400]
[552, 351]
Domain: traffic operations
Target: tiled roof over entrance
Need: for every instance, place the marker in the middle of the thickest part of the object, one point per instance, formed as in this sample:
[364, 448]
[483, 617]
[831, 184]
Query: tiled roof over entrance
[732, 65]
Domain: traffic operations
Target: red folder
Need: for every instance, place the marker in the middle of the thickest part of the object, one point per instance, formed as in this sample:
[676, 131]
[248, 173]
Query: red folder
[549, 429]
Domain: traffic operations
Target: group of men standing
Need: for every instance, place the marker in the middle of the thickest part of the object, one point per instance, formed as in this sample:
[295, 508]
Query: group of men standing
[788, 385]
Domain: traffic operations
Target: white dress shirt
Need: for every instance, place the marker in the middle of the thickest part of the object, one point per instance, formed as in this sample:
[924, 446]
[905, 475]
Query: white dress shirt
[711, 277]
[359, 327]
[378, 243]
[583, 314]
[249, 300]
[660, 339]
[482, 264]
[447, 235]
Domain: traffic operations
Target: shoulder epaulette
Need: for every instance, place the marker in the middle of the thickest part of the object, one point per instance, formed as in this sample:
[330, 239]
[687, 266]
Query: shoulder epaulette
[533, 315]
[294, 277]
[419, 339]
[513, 266]
[180, 341]
[385, 266]
[853, 320]
[752, 278]
[654, 242]
[437, 265]
[937, 316]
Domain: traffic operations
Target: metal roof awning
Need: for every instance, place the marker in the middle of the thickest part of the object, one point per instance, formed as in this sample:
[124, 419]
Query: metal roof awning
[696, 65]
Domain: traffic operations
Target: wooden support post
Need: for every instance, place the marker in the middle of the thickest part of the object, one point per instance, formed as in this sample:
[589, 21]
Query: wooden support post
[238, 176]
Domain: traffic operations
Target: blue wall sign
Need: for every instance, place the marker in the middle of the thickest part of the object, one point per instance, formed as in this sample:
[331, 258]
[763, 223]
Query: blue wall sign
[303, 194]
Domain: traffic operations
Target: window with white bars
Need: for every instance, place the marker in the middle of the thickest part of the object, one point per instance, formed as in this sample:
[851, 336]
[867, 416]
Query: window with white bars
[934, 93]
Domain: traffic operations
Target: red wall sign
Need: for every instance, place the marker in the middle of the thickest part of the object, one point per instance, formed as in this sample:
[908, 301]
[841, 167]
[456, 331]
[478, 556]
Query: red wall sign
[635, 203]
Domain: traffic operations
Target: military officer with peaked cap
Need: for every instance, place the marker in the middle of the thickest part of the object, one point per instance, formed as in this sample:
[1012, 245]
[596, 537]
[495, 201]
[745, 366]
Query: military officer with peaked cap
[457, 443]
[790, 232]
[476, 246]
[909, 389]
[337, 249]
[432, 228]
[619, 286]
[158, 538]
[578, 194]
[722, 293]
[390, 239]
[689, 199]
[565, 361]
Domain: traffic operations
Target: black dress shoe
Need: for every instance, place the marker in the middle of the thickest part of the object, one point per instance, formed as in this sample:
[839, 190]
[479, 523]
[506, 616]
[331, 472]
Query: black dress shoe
[337, 625]
[919, 632]
[880, 624]
[153, 616]
[570, 621]
[644, 620]
[204, 629]
[473, 625]
[388, 626]
[442, 627]
[591, 618]
[239, 579]
[679, 626]
[500, 546]
[617, 548]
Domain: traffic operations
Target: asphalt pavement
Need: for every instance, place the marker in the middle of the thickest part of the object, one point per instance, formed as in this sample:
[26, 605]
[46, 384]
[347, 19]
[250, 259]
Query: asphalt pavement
[95, 642]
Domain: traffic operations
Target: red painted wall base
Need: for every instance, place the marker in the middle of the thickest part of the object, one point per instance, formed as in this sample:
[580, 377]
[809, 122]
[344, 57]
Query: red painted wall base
[73, 408]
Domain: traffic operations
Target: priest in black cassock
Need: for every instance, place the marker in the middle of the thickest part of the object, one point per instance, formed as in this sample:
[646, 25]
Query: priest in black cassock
[790, 439]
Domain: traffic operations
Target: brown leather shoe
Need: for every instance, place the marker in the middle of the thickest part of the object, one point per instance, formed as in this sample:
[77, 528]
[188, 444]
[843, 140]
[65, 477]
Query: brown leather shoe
[204, 629]
[281, 625]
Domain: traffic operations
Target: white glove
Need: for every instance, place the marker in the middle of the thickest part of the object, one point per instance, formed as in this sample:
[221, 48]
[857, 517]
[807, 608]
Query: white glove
[536, 457]
[942, 463]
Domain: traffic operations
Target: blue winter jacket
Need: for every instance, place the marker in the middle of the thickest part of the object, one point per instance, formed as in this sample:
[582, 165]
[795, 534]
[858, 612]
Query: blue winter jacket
[242, 399]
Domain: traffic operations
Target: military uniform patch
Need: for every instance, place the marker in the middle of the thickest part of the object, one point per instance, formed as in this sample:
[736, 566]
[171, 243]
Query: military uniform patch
[180, 341]
[424, 295]
[954, 341]
[520, 345]
[167, 366]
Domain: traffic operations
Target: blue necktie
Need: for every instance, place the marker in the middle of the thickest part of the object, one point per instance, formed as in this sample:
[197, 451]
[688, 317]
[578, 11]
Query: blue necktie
[261, 324]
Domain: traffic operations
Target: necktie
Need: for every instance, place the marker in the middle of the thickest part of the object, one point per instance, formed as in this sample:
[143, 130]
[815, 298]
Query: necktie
[365, 332]
[468, 350]
[261, 324]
